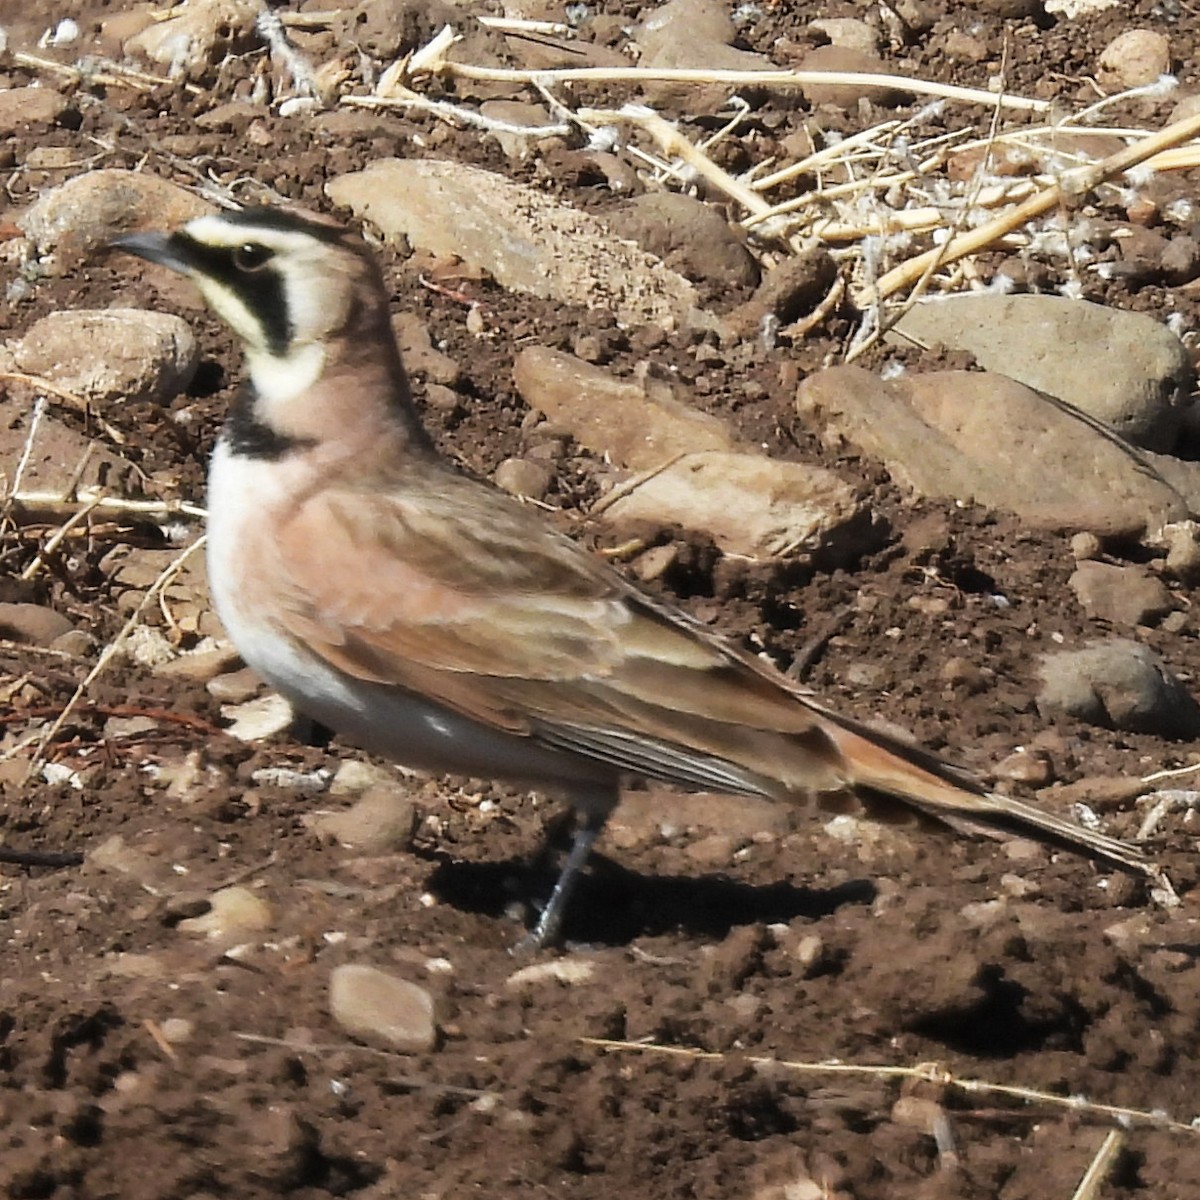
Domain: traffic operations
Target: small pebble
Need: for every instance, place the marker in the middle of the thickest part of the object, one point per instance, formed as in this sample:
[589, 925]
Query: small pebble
[371, 1004]
[445, 399]
[1032, 767]
[559, 970]
[523, 477]
[202, 665]
[382, 819]
[233, 911]
[235, 686]
[1135, 58]
[1183, 551]
[32, 624]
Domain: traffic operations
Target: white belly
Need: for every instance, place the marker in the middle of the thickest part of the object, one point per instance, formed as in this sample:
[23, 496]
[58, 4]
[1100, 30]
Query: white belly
[244, 496]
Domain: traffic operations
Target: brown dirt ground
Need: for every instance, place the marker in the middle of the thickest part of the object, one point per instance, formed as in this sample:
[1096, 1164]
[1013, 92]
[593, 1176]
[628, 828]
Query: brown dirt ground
[692, 948]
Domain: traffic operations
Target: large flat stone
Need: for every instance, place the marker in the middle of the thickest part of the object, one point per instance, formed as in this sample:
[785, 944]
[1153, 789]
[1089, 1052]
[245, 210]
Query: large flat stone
[1123, 368]
[984, 438]
[527, 241]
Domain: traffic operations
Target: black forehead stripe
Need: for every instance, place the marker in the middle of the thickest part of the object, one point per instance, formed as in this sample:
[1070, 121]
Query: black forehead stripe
[262, 291]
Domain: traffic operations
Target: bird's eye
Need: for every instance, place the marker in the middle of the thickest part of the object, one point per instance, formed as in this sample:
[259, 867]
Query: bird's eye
[251, 256]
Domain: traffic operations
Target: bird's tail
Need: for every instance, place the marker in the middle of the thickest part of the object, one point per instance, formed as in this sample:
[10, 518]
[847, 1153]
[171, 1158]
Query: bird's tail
[884, 767]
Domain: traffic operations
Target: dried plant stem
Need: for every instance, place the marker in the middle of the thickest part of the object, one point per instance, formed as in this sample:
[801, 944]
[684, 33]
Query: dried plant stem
[1101, 1165]
[454, 113]
[821, 158]
[39, 408]
[631, 485]
[833, 298]
[738, 79]
[113, 74]
[36, 506]
[1073, 185]
[1171, 773]
[929, 1072]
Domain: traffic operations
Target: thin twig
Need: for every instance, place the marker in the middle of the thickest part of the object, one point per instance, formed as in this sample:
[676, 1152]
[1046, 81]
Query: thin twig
[160, 1040]
[39, 505]
[929, 1072]
[673, 143]
[1171, 773]
[631, 485]
[737, 79]
[1100, 1166]
[39, 408]
[454, 113]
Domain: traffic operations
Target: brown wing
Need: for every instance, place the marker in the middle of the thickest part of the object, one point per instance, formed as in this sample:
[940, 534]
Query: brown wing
[464, 596]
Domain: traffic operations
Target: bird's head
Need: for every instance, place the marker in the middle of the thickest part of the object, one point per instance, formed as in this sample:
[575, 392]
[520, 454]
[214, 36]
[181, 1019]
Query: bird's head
[295, 287]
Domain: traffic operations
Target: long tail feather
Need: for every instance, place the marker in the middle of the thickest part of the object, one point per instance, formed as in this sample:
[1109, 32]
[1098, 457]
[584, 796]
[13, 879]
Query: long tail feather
[876, 763]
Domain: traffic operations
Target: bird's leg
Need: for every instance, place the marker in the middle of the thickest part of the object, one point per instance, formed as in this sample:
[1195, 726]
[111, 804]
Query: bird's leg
[592, 811]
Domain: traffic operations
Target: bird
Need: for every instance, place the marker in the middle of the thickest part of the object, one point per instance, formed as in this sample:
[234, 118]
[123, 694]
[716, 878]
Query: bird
[427, 617]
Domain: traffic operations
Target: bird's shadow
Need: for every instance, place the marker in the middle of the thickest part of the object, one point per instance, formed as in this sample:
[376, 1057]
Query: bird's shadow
[614, 905]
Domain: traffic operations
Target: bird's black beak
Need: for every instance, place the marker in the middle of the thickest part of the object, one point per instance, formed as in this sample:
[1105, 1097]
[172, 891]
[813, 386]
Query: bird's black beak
[165, 249]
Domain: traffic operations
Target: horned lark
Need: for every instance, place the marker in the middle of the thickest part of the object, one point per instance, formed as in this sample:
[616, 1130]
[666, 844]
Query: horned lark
[431, 619]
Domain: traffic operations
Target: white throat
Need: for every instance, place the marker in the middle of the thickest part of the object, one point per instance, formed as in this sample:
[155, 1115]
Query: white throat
[279, 379]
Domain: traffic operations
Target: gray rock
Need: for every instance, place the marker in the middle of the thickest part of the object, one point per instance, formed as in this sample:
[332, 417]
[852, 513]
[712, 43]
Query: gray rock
[1183, 551]
[849, 32]
[280, 1149]
[32, 624]
[111, 354]
[1123, 595]
[60, 458]
[753, 506]
[421, 357]
[524, 477]
[1138, 386]
[371, 1004]
[194, 34]
[696, 34]
[88, 211]
[526, 240]
[22, 108]
[262, 717]
[1117, 684]
[235, 913]
[380, 820]
[792, 288]
[841, 94]
[560, 972]
[1134, 58]
[233, 687]
[968, 435]
[686, 234]
[638, 424]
